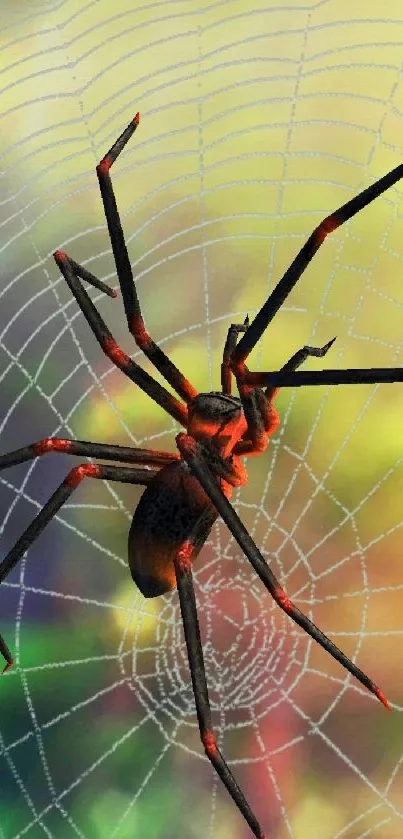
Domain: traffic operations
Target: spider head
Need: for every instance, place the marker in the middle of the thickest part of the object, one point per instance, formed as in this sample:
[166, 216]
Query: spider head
[217, 417]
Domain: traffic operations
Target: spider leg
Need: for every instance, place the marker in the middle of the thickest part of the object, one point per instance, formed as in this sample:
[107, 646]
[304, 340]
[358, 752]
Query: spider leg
[123, 474]
[124, 454]
[298, 358]
[131, 303]
[230, 344]
[259, 410]
[352, 376]
[184, 579]
[297, 267]
[189, 449]
[72, 272]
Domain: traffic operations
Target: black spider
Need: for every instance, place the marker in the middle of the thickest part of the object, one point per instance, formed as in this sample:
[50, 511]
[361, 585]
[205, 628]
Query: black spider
[186, 492]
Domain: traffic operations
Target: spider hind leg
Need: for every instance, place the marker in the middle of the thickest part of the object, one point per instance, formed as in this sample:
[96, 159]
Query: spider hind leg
[188, 450]
[183, 571]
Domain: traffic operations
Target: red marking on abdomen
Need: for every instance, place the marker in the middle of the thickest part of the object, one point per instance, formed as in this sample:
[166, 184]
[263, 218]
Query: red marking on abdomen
[209, 742]
[136, 119]
[90, 470]
[50, 444]
[113, 350]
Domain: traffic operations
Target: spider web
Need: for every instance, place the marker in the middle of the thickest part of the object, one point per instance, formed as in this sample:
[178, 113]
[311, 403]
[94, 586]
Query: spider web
[257, 120]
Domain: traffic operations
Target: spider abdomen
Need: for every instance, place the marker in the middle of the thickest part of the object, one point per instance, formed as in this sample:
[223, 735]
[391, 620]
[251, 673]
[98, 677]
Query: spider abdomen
[173, 507]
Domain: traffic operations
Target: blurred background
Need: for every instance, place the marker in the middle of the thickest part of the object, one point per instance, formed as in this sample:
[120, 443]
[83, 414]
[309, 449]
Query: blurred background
[257, 120]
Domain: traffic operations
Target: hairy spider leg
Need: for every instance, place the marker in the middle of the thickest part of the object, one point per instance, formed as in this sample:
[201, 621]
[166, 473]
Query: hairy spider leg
[298, 266]
[131, 303]
[189, 450]
[263, 417]
[123, 474]
[187, 600]
[140, 377]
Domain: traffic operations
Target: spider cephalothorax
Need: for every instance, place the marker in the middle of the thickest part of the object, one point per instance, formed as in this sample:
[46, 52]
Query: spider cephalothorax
[217, 418]
[186, 492]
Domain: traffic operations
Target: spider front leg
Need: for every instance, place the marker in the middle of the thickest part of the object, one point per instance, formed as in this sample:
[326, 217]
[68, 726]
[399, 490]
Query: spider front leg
[260, 413]
[184, 579]
[297, 268]
[72, 272]
[189, 450]
[131, 303]
[352, 376]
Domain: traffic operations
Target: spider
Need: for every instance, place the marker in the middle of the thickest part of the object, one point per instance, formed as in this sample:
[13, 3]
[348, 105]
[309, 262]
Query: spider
[187, 491]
